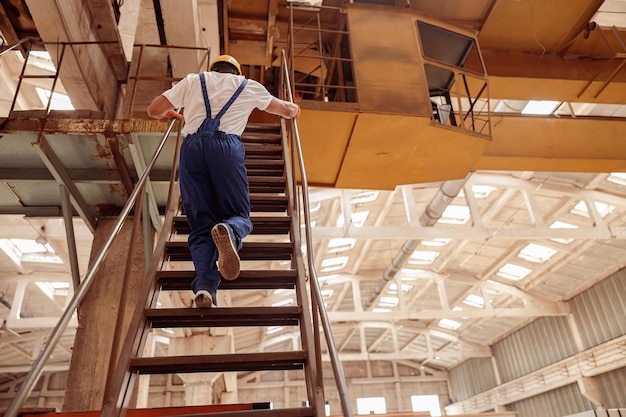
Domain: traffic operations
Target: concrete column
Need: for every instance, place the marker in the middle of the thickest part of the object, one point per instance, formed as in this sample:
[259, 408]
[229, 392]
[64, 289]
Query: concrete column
[98, 312]
[199, 387]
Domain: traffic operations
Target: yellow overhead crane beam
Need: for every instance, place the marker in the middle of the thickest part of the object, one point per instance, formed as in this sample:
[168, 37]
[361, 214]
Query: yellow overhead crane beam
[390, 137]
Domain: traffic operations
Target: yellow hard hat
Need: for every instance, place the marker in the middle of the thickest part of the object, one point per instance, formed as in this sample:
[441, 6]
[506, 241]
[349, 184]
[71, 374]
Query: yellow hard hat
[226, 58]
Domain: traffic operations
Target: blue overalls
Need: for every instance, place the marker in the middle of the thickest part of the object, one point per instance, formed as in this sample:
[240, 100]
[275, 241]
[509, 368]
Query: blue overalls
[214, 189]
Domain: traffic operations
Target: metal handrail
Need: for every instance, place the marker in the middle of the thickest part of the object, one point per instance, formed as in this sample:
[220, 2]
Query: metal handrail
[81, 291]
[340, 379]
[15, 45]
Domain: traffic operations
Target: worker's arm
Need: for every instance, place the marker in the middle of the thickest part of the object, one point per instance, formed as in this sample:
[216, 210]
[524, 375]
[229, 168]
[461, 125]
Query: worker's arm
[283, 108]
[162, 109]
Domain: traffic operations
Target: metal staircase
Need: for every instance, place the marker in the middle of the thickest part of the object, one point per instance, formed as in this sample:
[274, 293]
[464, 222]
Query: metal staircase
[279, 208]
[273, 239]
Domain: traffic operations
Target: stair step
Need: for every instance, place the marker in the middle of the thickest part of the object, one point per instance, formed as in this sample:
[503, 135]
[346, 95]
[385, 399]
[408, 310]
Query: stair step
[263, 151]
[248, 412]
[248, 280]
[266, 361]
[282, 412]
[262, 127]
[250, 251]
[267, 180]
[267, 164]
[262, 225]
[272, 138]
[273, 184]
[268, 202]
[224, 316]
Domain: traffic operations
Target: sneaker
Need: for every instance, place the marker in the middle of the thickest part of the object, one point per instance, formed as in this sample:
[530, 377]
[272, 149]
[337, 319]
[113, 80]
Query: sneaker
[204, 299]
[228, 258]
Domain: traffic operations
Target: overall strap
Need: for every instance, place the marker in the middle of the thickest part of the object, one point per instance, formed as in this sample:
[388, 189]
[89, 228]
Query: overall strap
[207, 105]
[232, 99]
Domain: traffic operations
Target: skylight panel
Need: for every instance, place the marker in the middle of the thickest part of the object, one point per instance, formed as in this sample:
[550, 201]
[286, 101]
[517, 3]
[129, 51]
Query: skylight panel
[393, 288]
[474, 300]
[341, 244]
[482, 191]
[513, 272]
[449, 324]
[536, 253]
[54, 289]
[437, 242]
[562, 225]
[364, 197]
[324, 278]
[333, 264]
[617, 178]
[388, 301]
[358, 219]
[454, 214]
[28, 250]
[581, 209]
[423, 257]
[540, 107]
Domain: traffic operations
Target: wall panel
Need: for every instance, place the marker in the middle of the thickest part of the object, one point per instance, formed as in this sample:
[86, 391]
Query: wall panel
[542, 342]
[600, 312]
[612, 385]
[470, 378]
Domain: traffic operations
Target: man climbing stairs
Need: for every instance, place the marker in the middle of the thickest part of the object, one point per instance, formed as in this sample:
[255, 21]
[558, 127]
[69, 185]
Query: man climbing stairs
[274, 241]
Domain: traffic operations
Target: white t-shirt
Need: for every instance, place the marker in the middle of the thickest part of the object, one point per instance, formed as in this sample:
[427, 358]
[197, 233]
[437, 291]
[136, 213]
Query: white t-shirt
[220, 88]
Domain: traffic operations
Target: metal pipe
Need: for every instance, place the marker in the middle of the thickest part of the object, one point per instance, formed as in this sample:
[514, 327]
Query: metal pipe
[65, 318]
[6, 301]
[445, 195]
[340, 379]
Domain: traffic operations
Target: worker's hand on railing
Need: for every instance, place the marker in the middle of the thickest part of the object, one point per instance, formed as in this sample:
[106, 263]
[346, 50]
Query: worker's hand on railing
[171, 114]
[295, 107]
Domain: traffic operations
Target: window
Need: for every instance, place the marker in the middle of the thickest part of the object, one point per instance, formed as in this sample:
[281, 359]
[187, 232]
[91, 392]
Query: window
[371, 405]
[59, 101]
[426, 403]
[540, 107]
